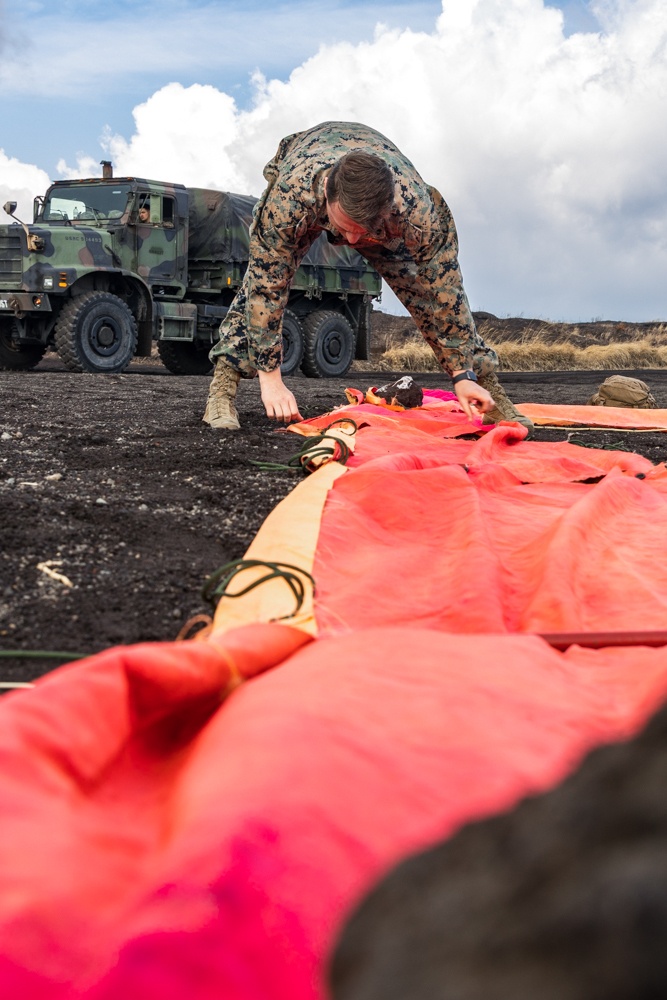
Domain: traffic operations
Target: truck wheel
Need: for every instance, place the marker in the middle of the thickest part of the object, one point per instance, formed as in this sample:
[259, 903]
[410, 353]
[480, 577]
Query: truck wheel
[96, 332]
[15, 356]
[329, 345]
[185, 357]
[292, 343]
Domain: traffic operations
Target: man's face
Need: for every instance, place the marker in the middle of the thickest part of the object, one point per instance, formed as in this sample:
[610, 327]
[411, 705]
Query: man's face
[144, 215]
[347, 227]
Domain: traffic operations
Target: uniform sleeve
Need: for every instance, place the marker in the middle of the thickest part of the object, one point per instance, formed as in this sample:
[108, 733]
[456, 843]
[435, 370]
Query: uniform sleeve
[273, 262]
[449, 324]
[426, 277]
[279, 239]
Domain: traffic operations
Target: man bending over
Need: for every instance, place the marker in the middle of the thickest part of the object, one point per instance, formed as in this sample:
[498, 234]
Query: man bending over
[347, 180]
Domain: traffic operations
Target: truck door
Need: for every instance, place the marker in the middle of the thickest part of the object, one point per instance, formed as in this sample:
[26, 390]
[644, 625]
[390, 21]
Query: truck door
[159, 243]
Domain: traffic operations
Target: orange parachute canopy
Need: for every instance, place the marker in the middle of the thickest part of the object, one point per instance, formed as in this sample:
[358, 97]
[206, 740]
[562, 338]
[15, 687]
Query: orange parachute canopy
[197, 818]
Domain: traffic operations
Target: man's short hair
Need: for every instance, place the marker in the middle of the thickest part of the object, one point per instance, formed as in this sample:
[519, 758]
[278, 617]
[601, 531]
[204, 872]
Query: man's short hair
[363, 186]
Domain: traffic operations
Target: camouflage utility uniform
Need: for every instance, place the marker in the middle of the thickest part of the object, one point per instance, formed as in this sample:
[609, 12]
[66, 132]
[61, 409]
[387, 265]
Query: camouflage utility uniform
[415, 250]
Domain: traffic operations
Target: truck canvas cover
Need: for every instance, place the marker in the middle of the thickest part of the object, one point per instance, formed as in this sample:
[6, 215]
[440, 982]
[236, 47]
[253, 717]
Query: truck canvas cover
[219, 223]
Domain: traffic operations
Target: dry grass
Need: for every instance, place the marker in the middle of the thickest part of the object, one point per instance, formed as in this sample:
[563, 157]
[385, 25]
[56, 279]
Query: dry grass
[568, 357]
[534, 345]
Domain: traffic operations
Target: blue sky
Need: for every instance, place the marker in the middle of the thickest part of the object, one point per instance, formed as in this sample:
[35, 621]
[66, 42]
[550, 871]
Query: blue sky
[541, 123]
[104, 58]
[73, 68]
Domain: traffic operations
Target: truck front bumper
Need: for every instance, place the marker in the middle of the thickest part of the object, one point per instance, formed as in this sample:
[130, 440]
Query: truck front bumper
[19, 303]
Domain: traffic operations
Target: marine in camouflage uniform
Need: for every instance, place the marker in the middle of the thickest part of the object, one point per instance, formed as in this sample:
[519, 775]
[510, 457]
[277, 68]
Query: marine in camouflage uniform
[413, 245]
[415, 249]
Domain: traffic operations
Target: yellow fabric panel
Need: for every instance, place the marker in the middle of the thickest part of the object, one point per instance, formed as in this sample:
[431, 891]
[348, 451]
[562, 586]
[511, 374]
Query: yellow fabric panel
[595, 416]
[288, 535]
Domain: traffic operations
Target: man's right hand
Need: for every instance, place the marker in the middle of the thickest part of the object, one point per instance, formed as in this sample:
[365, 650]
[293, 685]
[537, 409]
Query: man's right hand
[279, 402]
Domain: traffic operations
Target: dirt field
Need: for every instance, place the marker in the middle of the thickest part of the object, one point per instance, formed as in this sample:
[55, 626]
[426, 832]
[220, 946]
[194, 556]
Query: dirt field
[117, 502]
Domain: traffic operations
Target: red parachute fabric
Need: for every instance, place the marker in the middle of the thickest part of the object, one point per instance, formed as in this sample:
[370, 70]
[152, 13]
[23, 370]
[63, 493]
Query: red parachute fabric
[155, 847]
[510, 536]
[197, 819]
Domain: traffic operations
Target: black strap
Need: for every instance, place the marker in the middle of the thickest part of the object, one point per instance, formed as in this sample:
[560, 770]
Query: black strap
[468, 376]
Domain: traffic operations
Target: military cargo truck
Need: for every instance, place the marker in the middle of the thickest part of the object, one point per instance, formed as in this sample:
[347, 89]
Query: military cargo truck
[94, 282]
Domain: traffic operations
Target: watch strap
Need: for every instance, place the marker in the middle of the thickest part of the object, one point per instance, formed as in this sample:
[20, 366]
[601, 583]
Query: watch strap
[467, 376]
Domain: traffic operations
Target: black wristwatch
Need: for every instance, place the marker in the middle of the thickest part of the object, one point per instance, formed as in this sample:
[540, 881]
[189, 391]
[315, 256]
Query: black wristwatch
[468, 376]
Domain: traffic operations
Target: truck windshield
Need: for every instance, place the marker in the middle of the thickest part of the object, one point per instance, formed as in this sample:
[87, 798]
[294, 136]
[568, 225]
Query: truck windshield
[83, 203]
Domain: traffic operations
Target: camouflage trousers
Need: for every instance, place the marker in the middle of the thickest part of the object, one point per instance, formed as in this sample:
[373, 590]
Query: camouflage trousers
[234, 346]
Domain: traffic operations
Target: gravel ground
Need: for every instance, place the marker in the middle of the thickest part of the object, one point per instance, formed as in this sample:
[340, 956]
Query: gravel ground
[118, 502]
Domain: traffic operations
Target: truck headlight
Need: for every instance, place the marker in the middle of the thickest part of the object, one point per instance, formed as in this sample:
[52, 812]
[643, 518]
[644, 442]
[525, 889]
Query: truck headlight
[48, 283]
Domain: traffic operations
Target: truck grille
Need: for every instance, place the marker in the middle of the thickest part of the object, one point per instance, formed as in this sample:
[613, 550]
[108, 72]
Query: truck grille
[11, 258]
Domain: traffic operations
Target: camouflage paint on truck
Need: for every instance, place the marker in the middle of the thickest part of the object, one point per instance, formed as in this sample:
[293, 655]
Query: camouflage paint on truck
[92, 281]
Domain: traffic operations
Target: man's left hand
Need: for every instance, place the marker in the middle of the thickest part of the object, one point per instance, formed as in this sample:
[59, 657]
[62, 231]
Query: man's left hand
[473, 398]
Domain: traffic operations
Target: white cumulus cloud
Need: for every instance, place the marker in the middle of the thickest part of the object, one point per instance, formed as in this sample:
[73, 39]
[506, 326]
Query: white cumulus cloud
[20, 182]
[550, 149]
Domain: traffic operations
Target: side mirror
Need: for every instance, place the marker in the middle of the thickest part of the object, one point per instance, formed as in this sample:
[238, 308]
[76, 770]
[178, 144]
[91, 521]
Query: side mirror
[35, 243]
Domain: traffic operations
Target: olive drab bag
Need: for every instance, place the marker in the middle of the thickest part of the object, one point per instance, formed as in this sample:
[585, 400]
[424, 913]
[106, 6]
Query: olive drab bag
[621, 390]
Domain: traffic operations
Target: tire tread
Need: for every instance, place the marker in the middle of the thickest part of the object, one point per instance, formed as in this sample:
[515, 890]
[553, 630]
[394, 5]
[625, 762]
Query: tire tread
[312, 325]
[66, 326]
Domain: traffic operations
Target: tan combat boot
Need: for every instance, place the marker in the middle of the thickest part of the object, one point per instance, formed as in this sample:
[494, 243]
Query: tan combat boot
[504, 408]
[220, 410]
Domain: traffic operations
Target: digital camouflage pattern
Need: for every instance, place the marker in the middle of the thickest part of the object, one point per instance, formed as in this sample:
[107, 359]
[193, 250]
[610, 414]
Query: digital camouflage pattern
[415, 250]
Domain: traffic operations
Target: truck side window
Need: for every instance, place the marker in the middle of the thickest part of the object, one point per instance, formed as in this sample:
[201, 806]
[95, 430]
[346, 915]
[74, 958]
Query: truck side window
[168, 205]
[144, 210]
